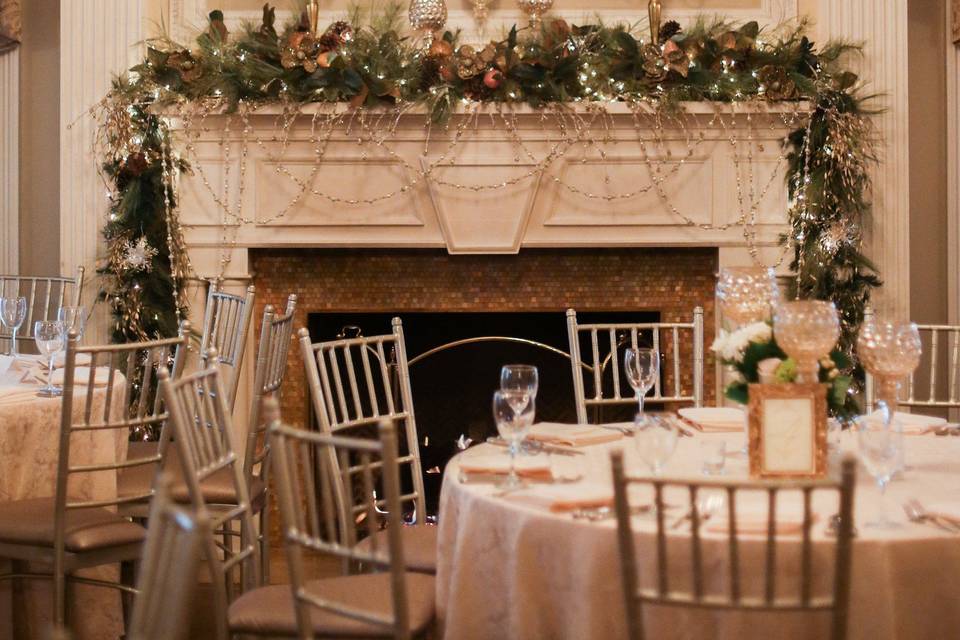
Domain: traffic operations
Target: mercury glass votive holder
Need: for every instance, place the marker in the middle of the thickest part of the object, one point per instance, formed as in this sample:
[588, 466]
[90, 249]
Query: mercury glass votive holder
[890, 351]
[806, 330]
[747, 294]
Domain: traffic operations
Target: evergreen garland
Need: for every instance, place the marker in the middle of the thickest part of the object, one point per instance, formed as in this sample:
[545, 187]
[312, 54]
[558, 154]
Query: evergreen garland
[369, 63]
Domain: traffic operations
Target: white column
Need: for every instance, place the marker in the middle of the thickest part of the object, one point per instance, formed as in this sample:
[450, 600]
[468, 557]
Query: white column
[882, 26]
[98, 39]
[9, 161]
[953, 169]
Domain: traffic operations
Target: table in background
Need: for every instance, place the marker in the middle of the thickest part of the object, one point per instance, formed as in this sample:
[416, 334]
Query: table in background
[29, 447]
[509, 570]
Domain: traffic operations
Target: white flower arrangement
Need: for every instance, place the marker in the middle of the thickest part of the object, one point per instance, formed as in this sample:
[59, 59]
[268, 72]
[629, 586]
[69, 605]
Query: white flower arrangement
[730, 346]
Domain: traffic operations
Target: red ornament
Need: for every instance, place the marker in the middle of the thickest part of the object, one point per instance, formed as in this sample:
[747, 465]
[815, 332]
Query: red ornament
[492, 78]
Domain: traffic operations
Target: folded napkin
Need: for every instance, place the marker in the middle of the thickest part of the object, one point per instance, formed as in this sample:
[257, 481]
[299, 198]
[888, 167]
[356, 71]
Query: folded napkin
[15, 395]
[715, 419]
[536, 467]
[81, 376]
[572, 435]
[753, 522]
[60, 360]
[914, 424]
[567, 497]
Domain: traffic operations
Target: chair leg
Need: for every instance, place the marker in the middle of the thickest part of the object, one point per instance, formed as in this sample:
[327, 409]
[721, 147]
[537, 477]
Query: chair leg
[265, 544]
[128, 577]
[59, 599]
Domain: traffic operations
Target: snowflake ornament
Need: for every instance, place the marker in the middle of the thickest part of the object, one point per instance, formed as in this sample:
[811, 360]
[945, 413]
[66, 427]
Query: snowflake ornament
[138, 256]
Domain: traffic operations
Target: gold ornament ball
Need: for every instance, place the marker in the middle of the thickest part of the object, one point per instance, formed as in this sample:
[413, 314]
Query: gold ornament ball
[535, 9]
[428, 15]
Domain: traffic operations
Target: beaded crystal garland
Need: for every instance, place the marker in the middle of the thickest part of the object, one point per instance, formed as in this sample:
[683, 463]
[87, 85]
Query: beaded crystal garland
[364, 77]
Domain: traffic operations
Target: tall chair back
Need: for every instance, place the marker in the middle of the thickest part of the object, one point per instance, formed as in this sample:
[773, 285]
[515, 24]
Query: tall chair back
[168, 570]
[606, 343]
[203, 429]
[304, 459]
[45, 296]
[699, 595]
[352, 386]
[226, 325]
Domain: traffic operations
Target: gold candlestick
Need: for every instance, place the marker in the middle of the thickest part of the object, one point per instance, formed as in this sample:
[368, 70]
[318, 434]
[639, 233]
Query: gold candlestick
[313, 16]
[655, 13]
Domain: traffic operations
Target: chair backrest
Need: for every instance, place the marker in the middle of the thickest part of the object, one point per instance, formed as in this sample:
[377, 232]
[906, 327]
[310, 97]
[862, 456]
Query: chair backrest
[941, 355]
[226, 325]
[167, 571]
[203, 429]
[304, 459]
[275, 336]
[352, 385]
[124, 378]
[732, 596]
[45, 295]
[606, 344]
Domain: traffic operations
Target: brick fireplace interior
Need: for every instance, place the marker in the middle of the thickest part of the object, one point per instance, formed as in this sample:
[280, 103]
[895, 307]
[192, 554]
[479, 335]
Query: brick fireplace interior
[443, 299]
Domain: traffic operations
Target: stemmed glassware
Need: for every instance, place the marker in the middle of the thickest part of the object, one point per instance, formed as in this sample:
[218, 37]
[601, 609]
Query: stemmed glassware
[747, 294]
[890, 351]
[50, 337]
[513, 426]
[807, 330]
[520, 381]
[73, 319]
[880, 451]
[655, 441]
[13, 311]
[642, 367]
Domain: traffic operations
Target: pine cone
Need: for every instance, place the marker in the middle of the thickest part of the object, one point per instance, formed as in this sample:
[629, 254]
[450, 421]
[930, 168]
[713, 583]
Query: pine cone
[669, 29]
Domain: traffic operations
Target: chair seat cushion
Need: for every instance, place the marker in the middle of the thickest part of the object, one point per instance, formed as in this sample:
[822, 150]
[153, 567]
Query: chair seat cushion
[217, 489]
[419, 546]
[30, 522]
[269, 610]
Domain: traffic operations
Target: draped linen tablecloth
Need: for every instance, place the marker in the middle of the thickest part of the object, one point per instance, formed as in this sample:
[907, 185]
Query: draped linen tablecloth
[509, 569]
[29, 446]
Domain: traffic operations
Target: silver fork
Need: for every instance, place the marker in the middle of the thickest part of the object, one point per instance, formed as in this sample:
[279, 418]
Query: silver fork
[917, 513]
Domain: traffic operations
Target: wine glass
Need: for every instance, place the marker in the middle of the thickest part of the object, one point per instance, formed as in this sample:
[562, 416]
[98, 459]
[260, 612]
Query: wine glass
[513, 426]
[880, 448]
[642, 367]
[13, 311]
[73, 319]
[746, 294]
[49, 336]
[655, 441]
[520, 381]
[807, 330]
[890, 351]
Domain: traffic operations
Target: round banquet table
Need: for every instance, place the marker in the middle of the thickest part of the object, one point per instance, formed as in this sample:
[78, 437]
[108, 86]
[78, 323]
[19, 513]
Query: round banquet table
[508, 568]
[29, 447]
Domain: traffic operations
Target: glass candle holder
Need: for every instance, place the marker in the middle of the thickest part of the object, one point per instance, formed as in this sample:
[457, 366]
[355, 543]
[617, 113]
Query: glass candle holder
[747, 294]
[807, 330]
[890, 351]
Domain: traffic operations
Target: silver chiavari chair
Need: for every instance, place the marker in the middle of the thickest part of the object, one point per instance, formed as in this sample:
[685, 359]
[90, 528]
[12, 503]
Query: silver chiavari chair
[705, 593]
[45, 295]
[168, 571]
[607, 343]
[941, 348]
[115, 393]
[391, 603]
[275, 337]
[202, 430]
[226, 324]
[352, 385]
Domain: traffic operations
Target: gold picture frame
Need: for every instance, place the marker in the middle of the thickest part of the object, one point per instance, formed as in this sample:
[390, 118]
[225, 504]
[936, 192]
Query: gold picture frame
[788, 430]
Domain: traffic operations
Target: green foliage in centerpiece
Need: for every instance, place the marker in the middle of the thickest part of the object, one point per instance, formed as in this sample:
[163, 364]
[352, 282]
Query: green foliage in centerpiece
[753, 352]
[369, 62]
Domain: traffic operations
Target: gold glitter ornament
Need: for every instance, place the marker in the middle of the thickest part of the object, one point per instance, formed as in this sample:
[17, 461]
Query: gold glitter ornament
[428, 16]
[535, 10]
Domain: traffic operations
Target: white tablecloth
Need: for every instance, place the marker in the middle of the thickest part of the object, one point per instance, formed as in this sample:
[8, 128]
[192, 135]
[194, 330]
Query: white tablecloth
[29, 439]
[507, 569]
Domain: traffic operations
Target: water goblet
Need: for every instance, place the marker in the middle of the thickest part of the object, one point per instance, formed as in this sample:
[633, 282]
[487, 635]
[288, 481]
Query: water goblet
[807, 330]
[890, 351]
[747, 294]
[642, 367]
[655, 441]
[880, 448]
[714, 454]
[73, 319]
[50, 338]
[513, 426]
[13, 311]
[521, 382]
